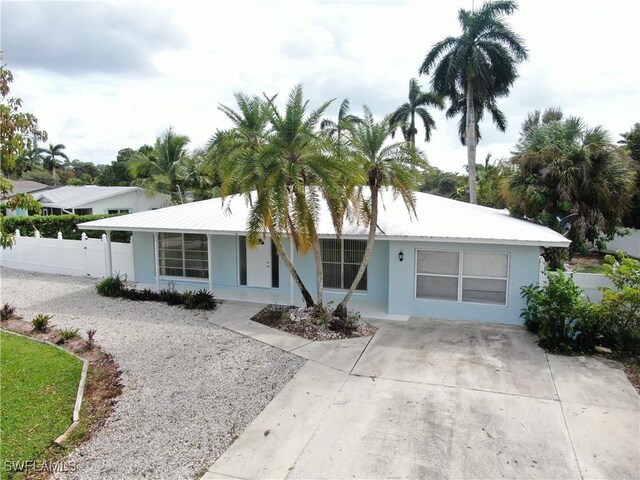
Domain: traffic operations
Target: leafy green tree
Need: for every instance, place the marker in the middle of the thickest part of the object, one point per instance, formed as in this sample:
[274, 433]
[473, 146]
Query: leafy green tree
[478, 66]
[631, 142]
[445, 184]
[564, 167]
[19, 131]
[397, 166]
[157, 171]
[491, 176]
[404, 117]
[117, 173]
[51, 156]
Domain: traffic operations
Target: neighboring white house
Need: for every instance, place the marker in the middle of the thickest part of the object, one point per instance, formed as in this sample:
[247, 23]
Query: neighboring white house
[91, 199]
[455, 261]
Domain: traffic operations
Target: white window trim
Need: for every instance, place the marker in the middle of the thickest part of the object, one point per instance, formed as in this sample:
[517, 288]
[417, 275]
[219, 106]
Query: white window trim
[341, 263]
[184, 263]
[460, 276]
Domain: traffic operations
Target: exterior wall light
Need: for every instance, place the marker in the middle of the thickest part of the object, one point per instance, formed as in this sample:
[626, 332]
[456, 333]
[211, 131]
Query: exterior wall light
[401, 256]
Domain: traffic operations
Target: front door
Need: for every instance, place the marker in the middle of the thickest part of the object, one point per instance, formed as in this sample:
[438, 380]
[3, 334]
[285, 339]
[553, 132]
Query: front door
[259, 264]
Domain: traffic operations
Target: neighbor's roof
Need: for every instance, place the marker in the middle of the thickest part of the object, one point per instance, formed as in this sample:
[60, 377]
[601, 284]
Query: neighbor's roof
[26, 186]
[439, 219]
[75, 196]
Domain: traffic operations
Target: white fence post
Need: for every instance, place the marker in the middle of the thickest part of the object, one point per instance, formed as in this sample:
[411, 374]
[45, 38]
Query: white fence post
[83, 240]
[60, 252]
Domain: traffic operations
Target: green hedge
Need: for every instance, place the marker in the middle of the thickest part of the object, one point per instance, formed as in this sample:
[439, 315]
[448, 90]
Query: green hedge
[50, 225]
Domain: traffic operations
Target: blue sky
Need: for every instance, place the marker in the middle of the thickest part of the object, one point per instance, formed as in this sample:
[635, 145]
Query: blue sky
[102, 76]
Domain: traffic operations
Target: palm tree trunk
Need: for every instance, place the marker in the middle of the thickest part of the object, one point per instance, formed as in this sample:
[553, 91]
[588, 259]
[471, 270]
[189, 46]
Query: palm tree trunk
[308, 299]
[341, 309]
[53, 172]
[472, 142]
[319, 270]
[412, 137]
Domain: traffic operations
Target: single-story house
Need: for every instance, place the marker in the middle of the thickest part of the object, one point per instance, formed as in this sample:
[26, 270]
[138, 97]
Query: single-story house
[455, 261]
[92, 199]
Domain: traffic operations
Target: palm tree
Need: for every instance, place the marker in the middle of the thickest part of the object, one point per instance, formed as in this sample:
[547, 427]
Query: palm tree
[158, 170]
[563, 168]
[301, 173]
[50, 157]
[344, 121]
[405, 115]
[29, 160]
[397, 166]
[479, 66]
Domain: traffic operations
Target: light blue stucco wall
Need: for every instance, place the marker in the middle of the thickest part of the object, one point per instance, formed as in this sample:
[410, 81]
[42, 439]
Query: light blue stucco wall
[523, 270]
[391, 283]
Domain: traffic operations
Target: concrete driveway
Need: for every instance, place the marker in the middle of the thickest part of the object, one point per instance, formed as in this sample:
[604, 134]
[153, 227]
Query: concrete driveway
[432, 399]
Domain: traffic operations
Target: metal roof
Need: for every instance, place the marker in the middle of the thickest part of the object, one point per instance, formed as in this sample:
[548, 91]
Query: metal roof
[75, 196]
[25, 186]
[438, 219]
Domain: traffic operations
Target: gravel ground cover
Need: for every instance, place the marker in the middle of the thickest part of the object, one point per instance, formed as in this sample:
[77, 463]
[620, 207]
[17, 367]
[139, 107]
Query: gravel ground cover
[190, 387]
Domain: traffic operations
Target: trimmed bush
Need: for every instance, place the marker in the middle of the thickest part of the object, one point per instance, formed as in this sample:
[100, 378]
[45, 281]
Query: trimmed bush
[170, 296]
[111, 287]
[199, 300]
[50, 225]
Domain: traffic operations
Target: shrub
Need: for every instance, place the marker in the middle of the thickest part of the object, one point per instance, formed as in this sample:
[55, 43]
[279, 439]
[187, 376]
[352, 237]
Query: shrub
[50, 225]
[68, 333]
[90, 334]
[7, 311]
[41, 322]
[556, 312]
[200, 300]
[111, 287]
[620, 308]
[170, 296]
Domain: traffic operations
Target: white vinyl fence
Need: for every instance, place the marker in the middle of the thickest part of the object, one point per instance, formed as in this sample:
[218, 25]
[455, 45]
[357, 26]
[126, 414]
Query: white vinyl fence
[86, 257]
[589, 282]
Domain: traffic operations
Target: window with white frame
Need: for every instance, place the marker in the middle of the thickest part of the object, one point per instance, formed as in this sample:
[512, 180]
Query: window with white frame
[476, 277]
[341, 260]
[183, 255]
[118, 210]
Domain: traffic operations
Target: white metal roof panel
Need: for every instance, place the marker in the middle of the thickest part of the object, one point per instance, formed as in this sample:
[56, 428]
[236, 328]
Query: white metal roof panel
[438, 219]
[73, 196]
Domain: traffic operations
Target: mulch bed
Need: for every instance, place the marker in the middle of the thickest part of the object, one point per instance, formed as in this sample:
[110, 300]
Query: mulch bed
[102, 387]
[298, 321]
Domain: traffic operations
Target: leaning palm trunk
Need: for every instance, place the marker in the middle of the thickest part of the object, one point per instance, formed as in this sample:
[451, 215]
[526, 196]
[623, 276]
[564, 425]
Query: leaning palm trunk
[471, 143]
[308, 299]
[341, 309]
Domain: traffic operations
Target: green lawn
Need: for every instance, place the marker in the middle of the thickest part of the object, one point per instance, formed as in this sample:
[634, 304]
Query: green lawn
[38, 386]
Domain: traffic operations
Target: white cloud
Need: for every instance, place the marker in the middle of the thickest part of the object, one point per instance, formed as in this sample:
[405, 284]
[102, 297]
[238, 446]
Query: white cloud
[584, 57]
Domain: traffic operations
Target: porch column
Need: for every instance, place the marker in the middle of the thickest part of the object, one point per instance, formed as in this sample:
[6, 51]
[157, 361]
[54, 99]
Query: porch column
[156, 258]
[210, 261]
[109, 256]
[291, 282]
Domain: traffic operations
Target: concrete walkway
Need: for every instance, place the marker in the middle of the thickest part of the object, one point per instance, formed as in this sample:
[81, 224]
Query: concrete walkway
[432, 399]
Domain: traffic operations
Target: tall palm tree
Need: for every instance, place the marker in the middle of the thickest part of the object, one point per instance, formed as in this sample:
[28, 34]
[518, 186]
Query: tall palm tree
[302, 173]
[50, 158]
[563, 168]
[397, 166]
[158, 170]
[29, 160]
[479, 66]
[344, 121]
[405, 115]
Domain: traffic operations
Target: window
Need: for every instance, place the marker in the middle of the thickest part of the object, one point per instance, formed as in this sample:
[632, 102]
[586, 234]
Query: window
[183, 255]
[115, 211]
[341, 260]
[475, 277]
[83, 211]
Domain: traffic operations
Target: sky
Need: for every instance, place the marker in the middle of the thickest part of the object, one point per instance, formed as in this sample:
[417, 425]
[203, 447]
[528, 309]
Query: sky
[102, 76]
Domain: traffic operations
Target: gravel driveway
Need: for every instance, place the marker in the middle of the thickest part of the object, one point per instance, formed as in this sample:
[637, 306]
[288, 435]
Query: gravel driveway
[190, 387]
